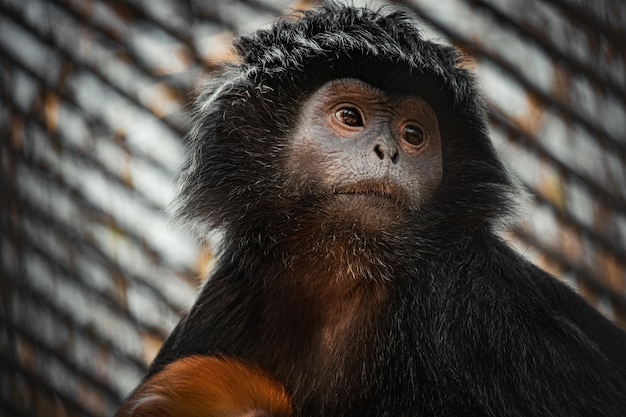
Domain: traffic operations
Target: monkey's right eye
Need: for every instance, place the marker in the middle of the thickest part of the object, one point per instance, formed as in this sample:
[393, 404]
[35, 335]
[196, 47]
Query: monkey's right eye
[349, 116]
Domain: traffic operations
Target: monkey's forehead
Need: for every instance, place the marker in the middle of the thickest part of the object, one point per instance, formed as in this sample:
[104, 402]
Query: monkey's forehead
[333, 41]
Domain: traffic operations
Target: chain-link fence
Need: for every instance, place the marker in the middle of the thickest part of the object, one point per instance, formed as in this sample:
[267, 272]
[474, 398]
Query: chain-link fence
[93, 104]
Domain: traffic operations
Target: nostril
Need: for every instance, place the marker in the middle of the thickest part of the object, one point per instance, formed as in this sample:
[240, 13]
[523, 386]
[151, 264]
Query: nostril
[383, 151]
[379, 151]
[395, 155]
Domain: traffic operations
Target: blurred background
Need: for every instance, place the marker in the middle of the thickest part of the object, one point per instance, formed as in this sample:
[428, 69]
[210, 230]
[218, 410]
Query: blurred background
[94, 97]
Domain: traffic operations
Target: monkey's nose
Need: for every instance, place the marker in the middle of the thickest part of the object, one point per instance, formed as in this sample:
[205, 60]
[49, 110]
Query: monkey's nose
[384, 150]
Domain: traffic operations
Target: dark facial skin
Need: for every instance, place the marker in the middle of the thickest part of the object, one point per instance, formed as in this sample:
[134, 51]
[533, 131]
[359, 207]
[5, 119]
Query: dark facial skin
[377, 154]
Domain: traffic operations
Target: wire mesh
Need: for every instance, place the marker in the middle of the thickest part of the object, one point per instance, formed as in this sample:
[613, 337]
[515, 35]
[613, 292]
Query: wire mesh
[93, 112]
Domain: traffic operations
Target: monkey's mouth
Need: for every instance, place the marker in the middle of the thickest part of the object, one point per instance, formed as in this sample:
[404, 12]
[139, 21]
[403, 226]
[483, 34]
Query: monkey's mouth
[386, 190]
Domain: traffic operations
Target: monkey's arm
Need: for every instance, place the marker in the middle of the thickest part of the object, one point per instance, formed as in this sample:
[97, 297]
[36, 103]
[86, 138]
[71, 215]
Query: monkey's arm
[605, 335]
[215, 325]
[532, 346]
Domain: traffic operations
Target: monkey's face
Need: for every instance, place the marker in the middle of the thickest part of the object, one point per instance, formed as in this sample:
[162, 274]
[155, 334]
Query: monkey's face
[373, 157]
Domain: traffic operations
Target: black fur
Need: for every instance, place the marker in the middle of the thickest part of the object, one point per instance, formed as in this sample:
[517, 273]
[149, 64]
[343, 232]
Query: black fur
[447, 321]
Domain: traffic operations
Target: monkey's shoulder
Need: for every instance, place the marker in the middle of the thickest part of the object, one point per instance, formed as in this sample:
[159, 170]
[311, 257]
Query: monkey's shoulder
[513, 296]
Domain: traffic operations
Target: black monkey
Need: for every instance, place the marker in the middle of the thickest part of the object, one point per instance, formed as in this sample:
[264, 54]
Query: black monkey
[345, 174]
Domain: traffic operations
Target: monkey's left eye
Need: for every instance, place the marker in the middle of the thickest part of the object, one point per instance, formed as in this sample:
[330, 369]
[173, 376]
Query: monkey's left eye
[413, 135]
[349, 116]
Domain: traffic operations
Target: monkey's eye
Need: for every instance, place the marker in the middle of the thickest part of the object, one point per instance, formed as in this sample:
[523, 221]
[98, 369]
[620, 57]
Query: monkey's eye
[349, 116]
[413, 135]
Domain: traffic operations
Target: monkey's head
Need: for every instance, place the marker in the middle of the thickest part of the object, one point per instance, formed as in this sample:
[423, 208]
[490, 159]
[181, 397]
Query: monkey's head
[343, 118]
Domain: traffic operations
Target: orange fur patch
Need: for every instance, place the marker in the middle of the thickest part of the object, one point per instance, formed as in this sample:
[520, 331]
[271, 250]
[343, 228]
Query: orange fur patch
[208, 387]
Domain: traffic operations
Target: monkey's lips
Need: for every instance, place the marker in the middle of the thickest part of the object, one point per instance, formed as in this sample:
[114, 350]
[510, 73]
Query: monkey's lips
[387, 191]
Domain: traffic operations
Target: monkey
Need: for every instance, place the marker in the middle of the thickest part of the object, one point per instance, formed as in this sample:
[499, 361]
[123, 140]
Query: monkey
[203, 386]
[344, 176]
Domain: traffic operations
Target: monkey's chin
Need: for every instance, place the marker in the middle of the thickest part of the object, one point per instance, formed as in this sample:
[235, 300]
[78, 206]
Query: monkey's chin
[370, 212]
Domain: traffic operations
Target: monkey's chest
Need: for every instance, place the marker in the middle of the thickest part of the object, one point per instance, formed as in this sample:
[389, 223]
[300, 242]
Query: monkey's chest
[332, 363]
